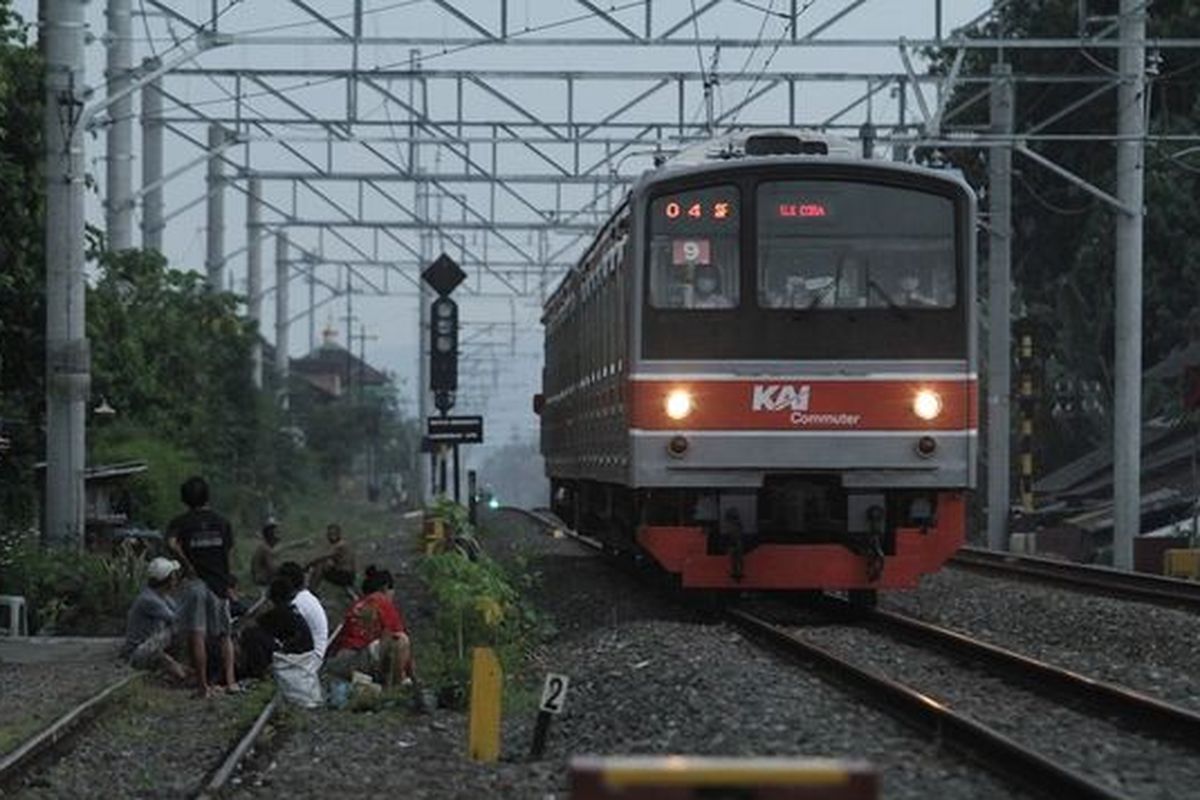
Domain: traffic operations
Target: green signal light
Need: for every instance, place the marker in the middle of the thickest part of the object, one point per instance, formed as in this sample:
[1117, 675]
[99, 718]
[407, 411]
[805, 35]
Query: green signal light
[493, 503]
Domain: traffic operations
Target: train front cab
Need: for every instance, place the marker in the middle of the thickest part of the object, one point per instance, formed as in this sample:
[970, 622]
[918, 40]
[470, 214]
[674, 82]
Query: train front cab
[784, 437]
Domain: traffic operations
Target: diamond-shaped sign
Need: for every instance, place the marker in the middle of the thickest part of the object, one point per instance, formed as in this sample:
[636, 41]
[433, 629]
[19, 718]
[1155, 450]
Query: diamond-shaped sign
[444, 275]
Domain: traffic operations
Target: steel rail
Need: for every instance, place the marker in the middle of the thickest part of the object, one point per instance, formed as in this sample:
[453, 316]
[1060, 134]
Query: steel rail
[224, 771]
[1012, 761]
[1084, 577]
[16, 763]
[1134, 709]
[995, 751]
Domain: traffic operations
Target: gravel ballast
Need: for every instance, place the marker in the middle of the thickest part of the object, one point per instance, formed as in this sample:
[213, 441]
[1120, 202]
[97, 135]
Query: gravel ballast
[647, 677]
[34, 695]
[152, 742]
[1134, 765]
[1152, 649]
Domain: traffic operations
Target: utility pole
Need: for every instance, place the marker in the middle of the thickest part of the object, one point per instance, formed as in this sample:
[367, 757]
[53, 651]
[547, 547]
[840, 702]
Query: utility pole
[281, 317]
[999, 374]
[349, 319]
[214, 259]
[1127, 412]
[119, 140]
[68, 375]
[424, 471]
[152, 162]
[254, 274]
[312, 306]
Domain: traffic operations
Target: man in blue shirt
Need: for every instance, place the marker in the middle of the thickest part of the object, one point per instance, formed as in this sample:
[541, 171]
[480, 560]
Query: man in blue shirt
[149, 627]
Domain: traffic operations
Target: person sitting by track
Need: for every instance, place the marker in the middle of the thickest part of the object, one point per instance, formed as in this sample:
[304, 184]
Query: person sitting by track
[336, 565]
[374, 637]
[308, 606]
[150, 623]
[278, 629]
[262, 562]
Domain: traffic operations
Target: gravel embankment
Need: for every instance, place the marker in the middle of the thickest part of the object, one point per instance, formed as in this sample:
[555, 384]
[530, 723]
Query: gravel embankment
[34, 695]
[1143, 647]
[1134, 765]
[153, 743]
[647, 677]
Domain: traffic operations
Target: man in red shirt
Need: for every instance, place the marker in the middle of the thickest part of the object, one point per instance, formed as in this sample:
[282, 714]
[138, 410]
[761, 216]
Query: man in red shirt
[374, 637]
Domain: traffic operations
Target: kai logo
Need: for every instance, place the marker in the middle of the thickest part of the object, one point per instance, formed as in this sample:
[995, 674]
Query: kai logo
[780, 397]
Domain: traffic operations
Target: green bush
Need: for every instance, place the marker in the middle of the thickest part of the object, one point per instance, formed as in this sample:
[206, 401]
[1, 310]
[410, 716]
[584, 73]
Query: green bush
[478, 605]
[156, 491]
[72, 591]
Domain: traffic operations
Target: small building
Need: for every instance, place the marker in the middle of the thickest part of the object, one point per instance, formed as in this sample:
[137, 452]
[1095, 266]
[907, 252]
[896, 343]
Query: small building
[333, 370]
[107, 497]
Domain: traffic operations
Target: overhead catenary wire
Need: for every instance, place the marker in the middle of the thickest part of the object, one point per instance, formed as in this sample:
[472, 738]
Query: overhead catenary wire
[783, 35]
[425, 57]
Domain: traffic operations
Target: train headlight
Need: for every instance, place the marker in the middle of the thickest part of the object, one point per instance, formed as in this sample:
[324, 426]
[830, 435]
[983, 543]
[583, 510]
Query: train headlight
[679, 404]
[927, 404]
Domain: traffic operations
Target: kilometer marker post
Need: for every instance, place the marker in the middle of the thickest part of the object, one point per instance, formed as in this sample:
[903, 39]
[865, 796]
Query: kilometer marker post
[554, 700]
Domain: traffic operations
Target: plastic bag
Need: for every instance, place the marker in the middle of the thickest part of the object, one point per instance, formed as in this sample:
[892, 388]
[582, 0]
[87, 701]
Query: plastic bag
[296, 676]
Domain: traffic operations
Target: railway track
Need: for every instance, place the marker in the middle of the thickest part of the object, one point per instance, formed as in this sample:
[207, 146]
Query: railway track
[1138, 586]
[58, 734]
[56, 740]
[1036, 724]
[1102, 710]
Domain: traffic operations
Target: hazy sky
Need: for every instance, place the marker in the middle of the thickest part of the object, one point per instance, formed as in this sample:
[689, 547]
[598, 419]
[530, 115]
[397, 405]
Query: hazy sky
[513, 376]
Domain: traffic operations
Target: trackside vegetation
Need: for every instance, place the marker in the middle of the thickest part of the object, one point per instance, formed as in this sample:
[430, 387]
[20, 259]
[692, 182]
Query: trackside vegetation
[477, 602]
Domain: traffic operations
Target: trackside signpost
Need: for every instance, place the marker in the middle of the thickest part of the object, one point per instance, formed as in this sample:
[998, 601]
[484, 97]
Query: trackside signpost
[445, 275]
[554, 700]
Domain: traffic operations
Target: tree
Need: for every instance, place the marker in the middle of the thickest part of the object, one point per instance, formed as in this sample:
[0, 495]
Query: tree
[1063, 244]
[173, 358]
[22, 320]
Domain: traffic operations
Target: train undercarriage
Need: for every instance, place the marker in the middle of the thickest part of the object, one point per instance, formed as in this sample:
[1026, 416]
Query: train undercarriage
[797, 532]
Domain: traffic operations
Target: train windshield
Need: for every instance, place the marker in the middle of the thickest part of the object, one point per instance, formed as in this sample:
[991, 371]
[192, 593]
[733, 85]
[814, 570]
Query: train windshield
[694, 253]
[830, 244]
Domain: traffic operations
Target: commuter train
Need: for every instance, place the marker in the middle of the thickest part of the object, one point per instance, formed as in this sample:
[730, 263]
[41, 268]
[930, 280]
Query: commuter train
[762, 371]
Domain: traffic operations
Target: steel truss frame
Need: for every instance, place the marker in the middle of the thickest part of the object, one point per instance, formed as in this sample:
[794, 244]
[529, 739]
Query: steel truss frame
[510, 168]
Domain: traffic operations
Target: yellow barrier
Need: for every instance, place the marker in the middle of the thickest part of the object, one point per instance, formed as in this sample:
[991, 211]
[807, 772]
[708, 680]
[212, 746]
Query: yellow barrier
[637, 777]
[1182, 564]
[485, 705]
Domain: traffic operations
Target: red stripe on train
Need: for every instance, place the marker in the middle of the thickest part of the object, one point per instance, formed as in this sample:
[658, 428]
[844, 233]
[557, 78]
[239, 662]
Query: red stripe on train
[824, 405]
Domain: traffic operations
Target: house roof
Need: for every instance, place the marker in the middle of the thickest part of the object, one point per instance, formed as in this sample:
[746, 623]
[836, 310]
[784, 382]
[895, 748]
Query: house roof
[333, 359]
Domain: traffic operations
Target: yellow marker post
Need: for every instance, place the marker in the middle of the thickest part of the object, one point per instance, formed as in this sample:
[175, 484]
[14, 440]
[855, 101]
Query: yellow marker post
[435, 535]
[484, 744]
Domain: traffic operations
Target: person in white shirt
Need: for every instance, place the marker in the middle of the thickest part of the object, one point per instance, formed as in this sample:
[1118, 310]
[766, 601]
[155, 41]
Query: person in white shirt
[308, 606]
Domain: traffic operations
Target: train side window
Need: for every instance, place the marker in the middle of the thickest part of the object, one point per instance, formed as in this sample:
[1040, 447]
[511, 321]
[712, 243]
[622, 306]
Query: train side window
[694, 255]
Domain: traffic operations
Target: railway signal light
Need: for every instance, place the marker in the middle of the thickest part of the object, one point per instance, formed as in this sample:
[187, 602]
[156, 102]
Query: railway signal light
[443, 346]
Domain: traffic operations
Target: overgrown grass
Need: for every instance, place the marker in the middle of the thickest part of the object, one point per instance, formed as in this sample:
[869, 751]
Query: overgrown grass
[479, 603]
[71, 591]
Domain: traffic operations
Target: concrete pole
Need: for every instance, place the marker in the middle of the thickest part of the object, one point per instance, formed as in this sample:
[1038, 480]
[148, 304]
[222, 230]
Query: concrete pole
[254, 274]
[281, 318]
[152, 162]
[119, 140]
[312, 307]
[214, 259]
[424, 295]
[999, 375]
[68, 375]
[1127, 412]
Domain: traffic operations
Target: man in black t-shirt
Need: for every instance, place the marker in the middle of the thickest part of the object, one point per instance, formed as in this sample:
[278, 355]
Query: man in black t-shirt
[202, 539]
